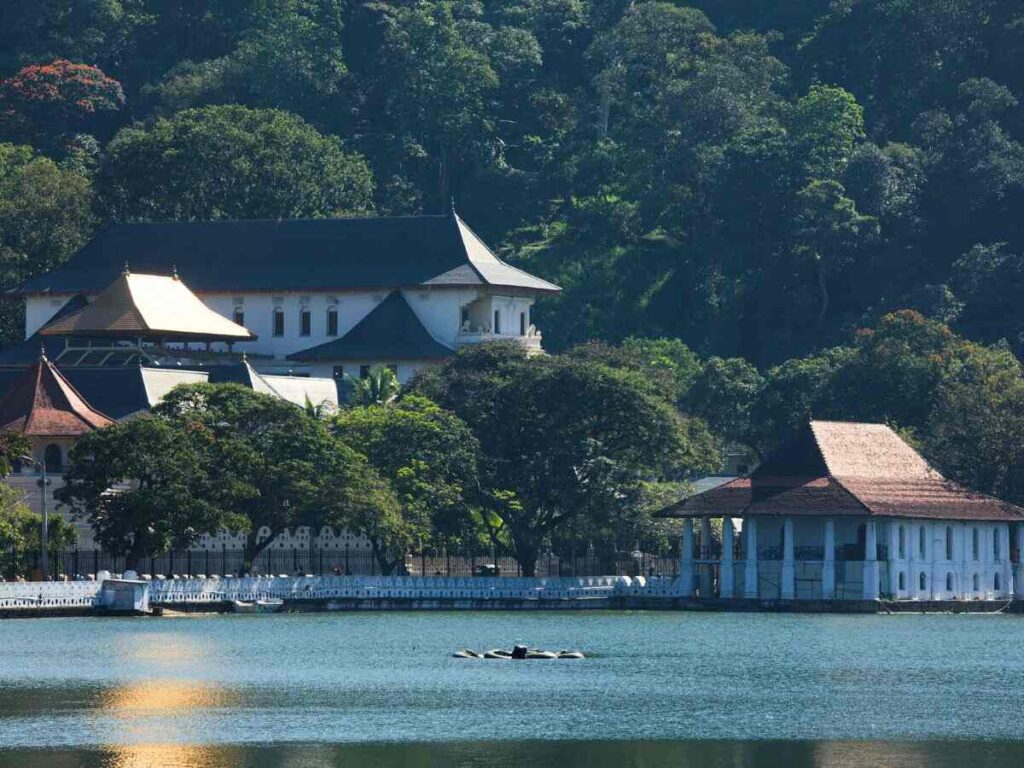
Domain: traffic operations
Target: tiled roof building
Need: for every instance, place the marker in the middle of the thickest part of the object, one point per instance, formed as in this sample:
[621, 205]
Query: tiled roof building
[850, 511]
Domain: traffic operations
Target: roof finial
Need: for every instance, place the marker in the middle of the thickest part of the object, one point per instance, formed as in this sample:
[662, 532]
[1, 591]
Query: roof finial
[174, 272]
[42, 352]
[245, 359]
[453, 205]
[126, 270]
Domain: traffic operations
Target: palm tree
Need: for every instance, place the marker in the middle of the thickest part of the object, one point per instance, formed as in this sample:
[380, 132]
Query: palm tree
[379, 387]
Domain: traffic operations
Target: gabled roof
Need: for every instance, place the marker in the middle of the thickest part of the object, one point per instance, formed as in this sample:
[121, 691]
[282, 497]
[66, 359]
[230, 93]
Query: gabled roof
[292, 255]
[844, 468]
[295, 389]
[42, 403]
[150, 306]
[391, 331]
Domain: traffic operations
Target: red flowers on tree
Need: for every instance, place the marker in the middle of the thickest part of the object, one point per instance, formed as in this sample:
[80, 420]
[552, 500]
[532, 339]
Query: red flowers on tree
[43, 102]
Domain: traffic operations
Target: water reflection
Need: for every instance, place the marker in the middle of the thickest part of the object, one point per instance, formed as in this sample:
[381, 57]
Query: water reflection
[594, 754]
[159, 697]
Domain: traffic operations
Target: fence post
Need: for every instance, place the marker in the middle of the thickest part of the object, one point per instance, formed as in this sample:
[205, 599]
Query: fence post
[188, 561]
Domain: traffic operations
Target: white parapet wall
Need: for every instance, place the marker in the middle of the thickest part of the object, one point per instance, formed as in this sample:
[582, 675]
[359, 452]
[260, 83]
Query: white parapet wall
[57, 595]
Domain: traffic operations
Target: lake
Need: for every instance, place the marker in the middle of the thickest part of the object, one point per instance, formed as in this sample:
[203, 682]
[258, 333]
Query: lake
[658, 688]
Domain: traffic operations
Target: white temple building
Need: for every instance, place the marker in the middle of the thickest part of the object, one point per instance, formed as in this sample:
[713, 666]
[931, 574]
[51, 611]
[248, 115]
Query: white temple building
[849, 511]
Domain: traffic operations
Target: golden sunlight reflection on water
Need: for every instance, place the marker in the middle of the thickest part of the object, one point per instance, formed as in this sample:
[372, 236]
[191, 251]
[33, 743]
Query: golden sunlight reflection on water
[158, 697]
[171, 756]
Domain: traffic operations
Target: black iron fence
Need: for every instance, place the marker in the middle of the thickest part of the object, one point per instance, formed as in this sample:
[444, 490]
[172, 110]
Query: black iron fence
[84, 563]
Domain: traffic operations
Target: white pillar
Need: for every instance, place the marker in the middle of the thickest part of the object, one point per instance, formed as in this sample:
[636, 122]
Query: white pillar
[1005, 569]
[828, 564]
[966, 582]
[894, 560]
[686, 559]
[704, 569]
[870, 561]
[787, 590]
[725, 574]
[750, 586]
[1018, 567]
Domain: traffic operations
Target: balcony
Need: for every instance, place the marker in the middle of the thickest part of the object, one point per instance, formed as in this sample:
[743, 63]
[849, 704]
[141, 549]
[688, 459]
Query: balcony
[471, 334]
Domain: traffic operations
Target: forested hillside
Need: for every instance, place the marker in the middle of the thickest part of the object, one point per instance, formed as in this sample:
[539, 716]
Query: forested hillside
[756, 178]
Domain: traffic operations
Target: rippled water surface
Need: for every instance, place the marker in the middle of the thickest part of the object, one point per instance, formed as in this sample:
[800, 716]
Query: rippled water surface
[382, 689]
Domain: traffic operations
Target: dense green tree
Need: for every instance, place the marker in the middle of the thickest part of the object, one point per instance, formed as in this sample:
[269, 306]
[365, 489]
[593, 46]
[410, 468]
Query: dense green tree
[21, 534]
[723, 394]
[429, 456]
[230, 162]
[45, 215]
[563, 439]
[144, 486]
[272, 464]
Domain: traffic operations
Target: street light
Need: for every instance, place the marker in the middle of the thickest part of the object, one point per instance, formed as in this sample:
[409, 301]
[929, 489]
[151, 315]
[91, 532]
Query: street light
[42, 482]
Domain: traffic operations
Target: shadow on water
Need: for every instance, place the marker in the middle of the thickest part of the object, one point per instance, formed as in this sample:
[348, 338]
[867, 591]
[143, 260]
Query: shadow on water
[538, 754]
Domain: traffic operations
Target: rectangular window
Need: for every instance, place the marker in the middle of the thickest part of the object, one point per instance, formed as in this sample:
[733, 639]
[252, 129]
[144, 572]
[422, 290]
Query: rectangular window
[339, 371]
[364, 371]
[305, 323]
[278, 322]
[239, 317]
[921, 542]
[497, 321]
[332, 322]
[463, 317]
[522, 323]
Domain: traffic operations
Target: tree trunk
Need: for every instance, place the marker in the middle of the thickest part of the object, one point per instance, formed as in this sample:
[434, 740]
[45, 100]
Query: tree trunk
[526, 555]
[253, 548]
[822, 291]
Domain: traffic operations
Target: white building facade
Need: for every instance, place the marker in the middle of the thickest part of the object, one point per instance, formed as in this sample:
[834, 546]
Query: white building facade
[848, 512]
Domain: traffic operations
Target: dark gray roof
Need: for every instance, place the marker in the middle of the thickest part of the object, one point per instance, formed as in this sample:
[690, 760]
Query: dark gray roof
[391, 331]
[316, 254]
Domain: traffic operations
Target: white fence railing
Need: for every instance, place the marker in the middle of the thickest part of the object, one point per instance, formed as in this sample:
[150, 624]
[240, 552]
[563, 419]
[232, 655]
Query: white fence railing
[73, 594]
[49, 594]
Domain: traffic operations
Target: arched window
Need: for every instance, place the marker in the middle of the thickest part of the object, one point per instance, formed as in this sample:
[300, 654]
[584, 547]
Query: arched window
[903, 581]
[949, 543]
[974, 544]
[949, 582]
[975, 583]
[52, 458]
[922, 581]
[902, 542]
[921, 540]
[997, 583]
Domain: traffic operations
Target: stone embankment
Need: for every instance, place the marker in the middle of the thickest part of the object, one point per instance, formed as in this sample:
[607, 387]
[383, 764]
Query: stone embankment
[382, 593]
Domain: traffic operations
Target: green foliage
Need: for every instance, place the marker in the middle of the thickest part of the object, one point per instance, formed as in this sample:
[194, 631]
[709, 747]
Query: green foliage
[21, 534]
[271, 464]
[429, 456]
[144, 487]
[231, 162]
[563, 439]
[379, 387]
[45, 215]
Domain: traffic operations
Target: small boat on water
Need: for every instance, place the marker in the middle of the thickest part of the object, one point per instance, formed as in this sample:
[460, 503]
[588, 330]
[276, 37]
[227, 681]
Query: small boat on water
[517, 653]
[269, 605]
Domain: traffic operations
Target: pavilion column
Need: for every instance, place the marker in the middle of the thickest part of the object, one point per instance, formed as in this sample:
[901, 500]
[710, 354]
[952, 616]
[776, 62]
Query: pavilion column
[750, 586]
[870, 561]
[704, 570]
[1018, 566]
[787, 590]
[725, 573]
[1005, 568]
[828, 563]
[686, 559]
[893, 557]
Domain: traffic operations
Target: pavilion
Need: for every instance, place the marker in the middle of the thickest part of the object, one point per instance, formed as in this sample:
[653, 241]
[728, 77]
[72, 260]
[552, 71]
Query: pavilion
[849, 511]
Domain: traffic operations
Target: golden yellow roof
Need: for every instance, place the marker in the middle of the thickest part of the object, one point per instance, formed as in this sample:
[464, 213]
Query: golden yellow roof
[150, 306]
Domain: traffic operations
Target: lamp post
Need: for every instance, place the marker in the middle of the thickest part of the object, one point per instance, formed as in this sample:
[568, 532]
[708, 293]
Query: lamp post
[43, 482]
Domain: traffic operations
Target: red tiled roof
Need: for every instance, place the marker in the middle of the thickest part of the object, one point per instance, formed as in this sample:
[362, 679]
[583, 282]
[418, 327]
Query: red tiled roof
[841, 468]
[42, 403]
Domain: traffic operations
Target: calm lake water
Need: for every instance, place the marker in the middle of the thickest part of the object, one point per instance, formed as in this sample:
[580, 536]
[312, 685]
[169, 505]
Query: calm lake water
[709, 690]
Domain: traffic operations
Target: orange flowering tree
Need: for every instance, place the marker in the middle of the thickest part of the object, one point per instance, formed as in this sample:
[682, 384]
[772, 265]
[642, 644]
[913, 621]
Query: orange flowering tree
[42, 103]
